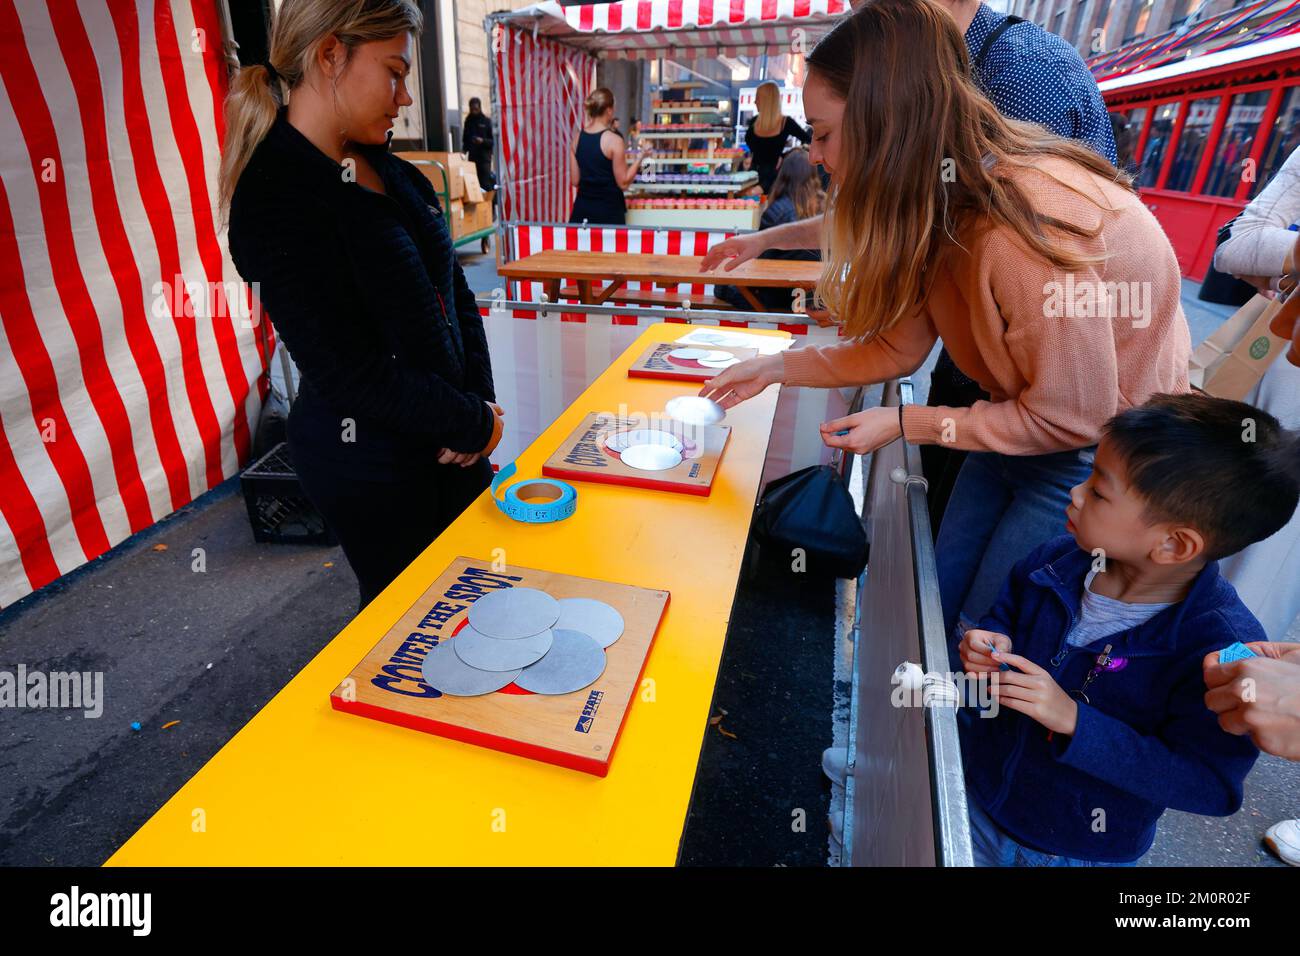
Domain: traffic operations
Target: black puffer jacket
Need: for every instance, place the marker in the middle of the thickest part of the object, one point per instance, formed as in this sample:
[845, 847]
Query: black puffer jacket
[366, 292]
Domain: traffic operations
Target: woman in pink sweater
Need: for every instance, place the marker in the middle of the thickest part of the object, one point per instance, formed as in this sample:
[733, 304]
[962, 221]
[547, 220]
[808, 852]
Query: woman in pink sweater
[1030, 256]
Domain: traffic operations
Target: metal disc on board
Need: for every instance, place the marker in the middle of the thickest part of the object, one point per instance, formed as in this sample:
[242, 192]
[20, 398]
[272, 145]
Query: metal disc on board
[594, 618]
[514, 613]
[445, 671]
[695, 410]
[493, 654]
[651, 457]
[574, 661]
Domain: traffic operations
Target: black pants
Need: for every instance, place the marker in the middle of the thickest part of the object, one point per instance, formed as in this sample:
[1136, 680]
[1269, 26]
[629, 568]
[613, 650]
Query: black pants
[384, 525]
[939, 463]
[602, 209]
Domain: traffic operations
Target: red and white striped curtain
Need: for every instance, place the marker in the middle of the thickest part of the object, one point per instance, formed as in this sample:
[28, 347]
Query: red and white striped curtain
[541, 86]
[129, 368]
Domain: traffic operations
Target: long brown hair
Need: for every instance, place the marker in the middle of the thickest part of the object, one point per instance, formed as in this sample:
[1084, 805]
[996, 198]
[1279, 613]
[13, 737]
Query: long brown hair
[925, 161]
[798, 179]
[297, 31]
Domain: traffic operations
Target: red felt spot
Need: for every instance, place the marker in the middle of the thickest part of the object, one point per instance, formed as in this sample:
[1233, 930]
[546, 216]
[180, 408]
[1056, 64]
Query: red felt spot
[684, 363]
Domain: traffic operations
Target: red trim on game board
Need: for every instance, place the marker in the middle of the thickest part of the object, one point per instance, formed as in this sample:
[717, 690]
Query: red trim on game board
[650, 483]
[672, 376]
[559, 758]
[491, 741]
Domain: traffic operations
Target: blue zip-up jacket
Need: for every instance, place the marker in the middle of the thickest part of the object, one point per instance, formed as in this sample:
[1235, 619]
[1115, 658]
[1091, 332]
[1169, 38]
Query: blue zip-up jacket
[1144, 743]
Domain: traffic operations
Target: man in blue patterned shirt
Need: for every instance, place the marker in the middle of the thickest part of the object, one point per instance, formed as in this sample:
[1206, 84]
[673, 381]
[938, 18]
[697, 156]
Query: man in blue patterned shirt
[1033, 75]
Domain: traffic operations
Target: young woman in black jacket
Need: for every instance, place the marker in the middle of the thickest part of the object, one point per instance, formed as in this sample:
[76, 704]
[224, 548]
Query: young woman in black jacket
[348, 250]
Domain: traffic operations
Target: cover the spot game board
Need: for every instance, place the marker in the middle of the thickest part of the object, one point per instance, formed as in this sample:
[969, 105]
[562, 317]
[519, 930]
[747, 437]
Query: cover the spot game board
[662, 454]
[579, 730]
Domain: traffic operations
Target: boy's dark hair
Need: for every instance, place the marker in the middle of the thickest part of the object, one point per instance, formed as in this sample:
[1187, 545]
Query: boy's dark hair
[1192, 460]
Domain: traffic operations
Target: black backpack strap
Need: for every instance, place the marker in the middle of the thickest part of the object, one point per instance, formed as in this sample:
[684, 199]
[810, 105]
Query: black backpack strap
[992, 38]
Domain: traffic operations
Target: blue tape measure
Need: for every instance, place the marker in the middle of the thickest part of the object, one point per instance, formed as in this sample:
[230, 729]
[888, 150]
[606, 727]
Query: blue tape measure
[563, 499]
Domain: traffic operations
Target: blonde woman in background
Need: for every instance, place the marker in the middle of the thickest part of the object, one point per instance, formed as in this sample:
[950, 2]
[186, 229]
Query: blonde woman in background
[768, 132]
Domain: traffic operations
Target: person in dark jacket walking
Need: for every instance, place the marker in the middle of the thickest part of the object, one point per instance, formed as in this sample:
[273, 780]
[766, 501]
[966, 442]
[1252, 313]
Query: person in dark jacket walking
[349, 252]
[1101, 721]
[478, 143]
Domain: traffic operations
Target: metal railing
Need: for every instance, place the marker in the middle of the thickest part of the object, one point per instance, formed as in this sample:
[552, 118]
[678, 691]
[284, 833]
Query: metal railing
[906, 794]
[657, 313]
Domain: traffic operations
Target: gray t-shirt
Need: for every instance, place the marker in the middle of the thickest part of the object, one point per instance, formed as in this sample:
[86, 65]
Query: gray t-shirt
[1101, 616]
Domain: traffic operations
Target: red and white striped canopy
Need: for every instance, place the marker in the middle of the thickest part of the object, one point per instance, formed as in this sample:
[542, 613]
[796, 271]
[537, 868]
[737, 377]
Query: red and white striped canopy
[128, 383]
[643, 29]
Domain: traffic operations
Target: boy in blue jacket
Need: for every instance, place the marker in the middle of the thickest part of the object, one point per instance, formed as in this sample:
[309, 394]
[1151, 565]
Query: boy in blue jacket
[1094, 647]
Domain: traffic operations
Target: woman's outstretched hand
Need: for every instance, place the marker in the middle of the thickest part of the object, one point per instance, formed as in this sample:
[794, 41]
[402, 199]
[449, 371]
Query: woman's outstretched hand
[734, 251]
[867, 430]
[744, 380]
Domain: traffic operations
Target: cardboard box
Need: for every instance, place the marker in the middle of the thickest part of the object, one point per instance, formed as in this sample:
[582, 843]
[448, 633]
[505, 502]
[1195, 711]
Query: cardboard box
[457, 216]
[478, 215]
[469, 178]
[462, 178]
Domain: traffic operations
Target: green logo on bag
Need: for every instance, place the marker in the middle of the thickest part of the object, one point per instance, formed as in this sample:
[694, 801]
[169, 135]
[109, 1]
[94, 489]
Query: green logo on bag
[1259, 348]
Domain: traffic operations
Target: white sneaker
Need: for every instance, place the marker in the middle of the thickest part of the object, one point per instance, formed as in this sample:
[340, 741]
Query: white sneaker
[1283, 838]
[835, 764]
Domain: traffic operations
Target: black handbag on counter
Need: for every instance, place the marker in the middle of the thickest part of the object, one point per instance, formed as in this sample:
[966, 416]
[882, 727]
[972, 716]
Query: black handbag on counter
[813, 510]
[1219, 287]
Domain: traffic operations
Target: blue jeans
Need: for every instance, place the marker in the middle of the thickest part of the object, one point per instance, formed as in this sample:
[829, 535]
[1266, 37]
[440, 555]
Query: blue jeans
[992, 847]
[1002, 507]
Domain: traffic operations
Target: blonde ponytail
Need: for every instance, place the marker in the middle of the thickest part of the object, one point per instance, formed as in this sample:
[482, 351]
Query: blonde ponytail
[297, 31]
[251, 105]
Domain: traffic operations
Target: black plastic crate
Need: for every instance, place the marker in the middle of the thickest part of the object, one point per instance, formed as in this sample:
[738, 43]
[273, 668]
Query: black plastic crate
[278, 509]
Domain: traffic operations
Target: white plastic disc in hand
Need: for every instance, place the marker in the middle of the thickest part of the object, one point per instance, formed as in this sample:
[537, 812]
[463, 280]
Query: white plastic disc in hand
[695, 410]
